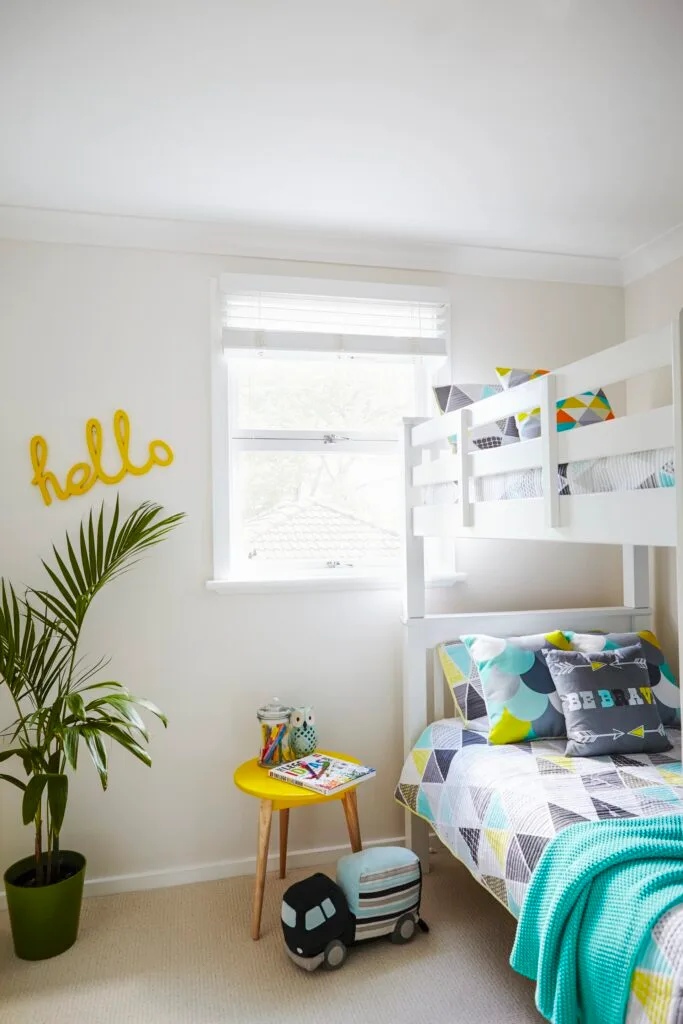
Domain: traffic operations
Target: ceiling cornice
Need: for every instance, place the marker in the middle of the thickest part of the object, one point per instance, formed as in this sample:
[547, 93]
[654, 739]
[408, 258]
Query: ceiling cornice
[24, 224]
[653, 255]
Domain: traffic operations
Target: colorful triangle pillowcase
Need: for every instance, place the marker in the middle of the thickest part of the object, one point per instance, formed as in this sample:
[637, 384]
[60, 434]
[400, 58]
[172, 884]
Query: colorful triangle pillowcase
[450, 397]
[577, 411]
[501, 686]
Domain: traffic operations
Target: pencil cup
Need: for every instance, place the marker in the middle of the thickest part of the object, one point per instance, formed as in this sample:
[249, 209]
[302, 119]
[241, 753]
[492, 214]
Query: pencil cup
[274, 721]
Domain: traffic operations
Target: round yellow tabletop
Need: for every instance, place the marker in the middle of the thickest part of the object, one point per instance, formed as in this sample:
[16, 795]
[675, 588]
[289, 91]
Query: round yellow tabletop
[255, 781]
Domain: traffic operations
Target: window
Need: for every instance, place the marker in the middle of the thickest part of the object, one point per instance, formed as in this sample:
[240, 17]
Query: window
[311, 386]
[288, 915]
[328, 907]
[314, 918]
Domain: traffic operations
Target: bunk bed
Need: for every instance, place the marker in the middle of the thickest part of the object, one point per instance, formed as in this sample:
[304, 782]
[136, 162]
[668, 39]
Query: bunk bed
[444, 492]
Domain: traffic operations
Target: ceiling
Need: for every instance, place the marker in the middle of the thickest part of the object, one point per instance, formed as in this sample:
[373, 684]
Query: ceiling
[547, 125]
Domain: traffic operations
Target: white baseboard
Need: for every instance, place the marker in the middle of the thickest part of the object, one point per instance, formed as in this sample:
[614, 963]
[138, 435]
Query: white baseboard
[214, 870]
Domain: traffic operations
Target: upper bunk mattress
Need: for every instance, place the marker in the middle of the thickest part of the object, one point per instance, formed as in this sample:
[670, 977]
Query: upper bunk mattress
[632, 472]
[497, 807]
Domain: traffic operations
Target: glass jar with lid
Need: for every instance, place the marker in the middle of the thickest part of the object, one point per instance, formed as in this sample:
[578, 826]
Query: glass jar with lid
[274, 721]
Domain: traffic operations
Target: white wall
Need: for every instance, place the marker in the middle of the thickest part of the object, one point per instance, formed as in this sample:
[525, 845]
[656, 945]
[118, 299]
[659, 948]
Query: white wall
[648, 303]
[84, 331]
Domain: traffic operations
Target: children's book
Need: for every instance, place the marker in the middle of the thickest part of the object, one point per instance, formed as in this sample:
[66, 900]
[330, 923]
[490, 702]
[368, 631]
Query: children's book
[322, 773]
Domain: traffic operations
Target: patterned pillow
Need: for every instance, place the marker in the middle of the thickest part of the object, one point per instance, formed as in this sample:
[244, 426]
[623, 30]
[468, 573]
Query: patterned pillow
[520, 696]
[607, 701]
[456, 396]
[464, 683]
[577, 411]
[662, 681]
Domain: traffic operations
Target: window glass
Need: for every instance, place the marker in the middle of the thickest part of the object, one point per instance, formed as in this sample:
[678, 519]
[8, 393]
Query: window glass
[342, 507]
[328, 907]
[314, 918]
[326, 393]
[288, 915]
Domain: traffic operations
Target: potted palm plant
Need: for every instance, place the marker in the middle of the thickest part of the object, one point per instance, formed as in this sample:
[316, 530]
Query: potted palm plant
[60, 711]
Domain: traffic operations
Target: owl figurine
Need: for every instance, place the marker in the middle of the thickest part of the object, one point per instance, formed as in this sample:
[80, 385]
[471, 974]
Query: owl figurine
[303, 735]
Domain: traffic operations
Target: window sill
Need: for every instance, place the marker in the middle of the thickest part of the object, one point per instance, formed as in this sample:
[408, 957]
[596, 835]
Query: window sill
[320, 582]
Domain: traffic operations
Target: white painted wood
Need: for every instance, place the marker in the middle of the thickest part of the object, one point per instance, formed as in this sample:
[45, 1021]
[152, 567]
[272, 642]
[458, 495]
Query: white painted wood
[643, 431]
[438, 629]
[220, 442]
[438, 686]
[620, 362]
[645, 517]
[464, 508]
[639, 432]
[307, 341]
[676, 340]
[630, 358]
[551, 499]
[415, 718]
[441, 470]
[316, 445]
[413, 545]
[509, 458]
[636, 573]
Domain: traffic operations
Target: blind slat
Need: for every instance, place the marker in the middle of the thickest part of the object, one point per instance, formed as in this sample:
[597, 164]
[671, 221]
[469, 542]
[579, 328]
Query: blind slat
[259, 314]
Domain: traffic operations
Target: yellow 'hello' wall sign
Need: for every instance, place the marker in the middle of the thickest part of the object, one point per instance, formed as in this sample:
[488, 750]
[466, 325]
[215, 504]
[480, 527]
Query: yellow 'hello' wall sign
[84, 475]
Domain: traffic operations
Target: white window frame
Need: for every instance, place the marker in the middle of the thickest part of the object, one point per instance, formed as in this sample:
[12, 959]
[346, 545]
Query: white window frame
[228, 441]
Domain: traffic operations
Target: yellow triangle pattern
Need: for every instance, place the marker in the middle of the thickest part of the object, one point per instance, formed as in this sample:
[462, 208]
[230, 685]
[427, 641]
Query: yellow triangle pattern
[638, 731]
[654, 993]
[562, 762]
[420, 757]
[499, 840]
[673, 778]
[573, 403]
[595, 665]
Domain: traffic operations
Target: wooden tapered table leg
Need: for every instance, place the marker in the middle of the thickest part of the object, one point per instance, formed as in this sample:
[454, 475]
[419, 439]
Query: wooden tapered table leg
[351, 814]
[264, 820]
[284, 829]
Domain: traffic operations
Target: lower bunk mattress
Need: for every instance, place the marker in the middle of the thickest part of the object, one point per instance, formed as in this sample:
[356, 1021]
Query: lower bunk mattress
[497, 807]
[632, 472]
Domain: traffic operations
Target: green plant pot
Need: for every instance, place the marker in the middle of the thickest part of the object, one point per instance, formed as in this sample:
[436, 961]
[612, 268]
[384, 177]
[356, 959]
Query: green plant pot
[44, 919]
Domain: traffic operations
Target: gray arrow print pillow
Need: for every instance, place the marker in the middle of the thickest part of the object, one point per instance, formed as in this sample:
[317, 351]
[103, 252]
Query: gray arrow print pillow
[607, 702]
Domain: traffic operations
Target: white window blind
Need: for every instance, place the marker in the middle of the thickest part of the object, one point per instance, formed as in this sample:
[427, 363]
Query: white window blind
[298, 321]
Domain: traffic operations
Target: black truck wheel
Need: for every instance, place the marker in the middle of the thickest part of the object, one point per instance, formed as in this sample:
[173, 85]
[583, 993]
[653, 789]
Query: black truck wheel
[335, 955]
[404, 929]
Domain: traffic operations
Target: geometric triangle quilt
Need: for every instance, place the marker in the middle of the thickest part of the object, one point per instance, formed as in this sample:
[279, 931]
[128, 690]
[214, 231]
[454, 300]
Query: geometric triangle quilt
[496, 807]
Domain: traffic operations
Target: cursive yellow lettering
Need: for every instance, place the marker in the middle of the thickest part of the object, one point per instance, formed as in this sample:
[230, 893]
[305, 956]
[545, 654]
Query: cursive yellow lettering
[93, 439]
[41, 479]
[83, 475]
[80, 486]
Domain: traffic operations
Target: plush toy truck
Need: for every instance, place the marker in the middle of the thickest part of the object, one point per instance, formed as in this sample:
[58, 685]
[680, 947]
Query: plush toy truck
[377, 892]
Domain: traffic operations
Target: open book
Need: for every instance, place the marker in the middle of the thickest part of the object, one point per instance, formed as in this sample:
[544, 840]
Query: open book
[322, 774]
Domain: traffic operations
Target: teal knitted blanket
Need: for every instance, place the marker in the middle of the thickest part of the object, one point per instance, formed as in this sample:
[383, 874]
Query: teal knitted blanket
[593, 899]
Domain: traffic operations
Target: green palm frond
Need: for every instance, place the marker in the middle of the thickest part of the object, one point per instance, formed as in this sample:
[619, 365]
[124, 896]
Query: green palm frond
[57, 704]
[104, 553]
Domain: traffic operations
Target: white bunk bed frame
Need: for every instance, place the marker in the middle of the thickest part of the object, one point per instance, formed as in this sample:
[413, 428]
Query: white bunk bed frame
[637, 520]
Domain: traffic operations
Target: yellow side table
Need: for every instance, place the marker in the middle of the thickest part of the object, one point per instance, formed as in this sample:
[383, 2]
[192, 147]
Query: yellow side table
[282, 796]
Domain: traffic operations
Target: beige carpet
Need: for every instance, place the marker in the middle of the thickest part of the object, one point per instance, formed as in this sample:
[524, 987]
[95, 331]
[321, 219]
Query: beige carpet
[184, 956]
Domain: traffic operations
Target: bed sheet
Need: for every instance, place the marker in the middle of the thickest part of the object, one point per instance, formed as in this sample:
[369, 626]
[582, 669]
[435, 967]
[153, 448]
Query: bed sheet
[496, 808]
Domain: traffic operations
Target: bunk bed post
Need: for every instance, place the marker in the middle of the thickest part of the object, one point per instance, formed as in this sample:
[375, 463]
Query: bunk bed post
[636, 575]
[549, 463]
[677, 394]
[413, 547]
[415, 718]
[464, 420]
[415, 714]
